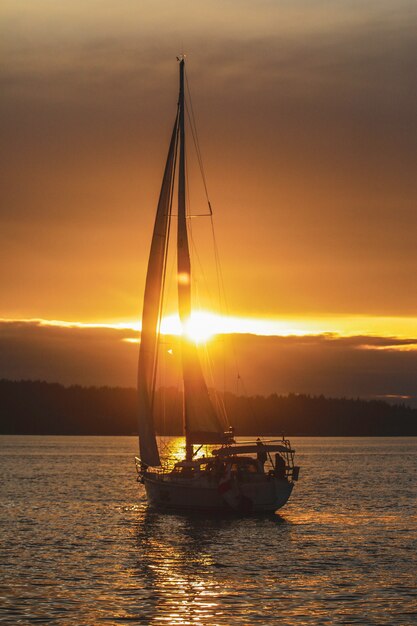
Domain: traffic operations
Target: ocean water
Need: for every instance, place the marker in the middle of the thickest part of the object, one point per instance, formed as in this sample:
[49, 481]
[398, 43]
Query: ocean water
[80, 546]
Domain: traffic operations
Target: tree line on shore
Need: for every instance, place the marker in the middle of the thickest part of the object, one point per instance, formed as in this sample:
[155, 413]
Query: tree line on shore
[41, 408]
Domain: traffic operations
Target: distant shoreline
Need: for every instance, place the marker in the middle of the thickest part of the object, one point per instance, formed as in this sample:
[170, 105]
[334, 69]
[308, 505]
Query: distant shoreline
[292, 435]
[41, 408]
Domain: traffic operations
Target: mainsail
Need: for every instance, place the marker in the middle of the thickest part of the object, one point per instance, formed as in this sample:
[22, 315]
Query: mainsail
[151, 312]
[202, 424]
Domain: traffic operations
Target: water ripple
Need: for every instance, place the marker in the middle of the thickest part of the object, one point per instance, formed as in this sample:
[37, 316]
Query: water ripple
[79, 544]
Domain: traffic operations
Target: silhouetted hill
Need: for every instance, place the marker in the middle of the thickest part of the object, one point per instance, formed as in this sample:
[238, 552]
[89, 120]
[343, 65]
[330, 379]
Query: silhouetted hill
[40, 408]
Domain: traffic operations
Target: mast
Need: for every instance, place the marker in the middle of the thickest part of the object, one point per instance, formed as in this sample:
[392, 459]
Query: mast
[184, 263]
[202, 424]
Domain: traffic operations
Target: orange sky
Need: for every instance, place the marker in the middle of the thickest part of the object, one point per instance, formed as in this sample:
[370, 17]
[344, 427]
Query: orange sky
[306, 115]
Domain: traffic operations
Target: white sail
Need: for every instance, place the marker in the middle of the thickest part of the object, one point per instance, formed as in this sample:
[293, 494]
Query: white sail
[202, 424]
[151, 313]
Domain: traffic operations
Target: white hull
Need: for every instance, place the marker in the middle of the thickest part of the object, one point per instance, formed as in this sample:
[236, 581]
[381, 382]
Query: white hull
[263, 494]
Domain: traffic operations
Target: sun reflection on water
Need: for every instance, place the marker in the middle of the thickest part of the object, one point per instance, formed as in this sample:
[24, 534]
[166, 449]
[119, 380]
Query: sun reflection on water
[174, 560]
[173, 449]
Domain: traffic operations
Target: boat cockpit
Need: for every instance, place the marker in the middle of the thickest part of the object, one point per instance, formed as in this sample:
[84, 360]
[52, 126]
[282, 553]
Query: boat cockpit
[244, 462]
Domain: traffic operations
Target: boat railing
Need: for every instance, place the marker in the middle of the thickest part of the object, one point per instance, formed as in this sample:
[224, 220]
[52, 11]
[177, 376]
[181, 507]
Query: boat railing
[290, 471]
[285, 450]
[165, 468]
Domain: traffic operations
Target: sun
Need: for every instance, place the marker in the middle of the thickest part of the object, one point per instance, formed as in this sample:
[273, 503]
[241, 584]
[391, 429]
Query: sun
[200, 327]
[203, 325]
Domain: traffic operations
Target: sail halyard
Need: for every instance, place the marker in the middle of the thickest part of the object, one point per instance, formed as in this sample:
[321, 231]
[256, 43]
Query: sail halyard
[152, 311]
[201, 422]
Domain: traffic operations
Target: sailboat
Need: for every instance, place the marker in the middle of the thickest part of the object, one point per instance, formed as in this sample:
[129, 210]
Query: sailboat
[250, 476]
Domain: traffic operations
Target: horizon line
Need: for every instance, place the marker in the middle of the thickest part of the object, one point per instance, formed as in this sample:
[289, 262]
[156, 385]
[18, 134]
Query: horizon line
[203, 325]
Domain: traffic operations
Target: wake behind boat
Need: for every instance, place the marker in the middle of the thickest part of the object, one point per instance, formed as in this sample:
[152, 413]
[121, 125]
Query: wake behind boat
[253, 476]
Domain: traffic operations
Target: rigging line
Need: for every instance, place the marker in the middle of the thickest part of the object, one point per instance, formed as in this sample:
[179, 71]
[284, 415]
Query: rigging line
[191, 117]
[200, 160]
[194, 134]
[226, 309]
[196, 256]
[220, 279]
[219, 275]
[209, 365]
[222, 295]
[196, 142]
[220, 288]
[219, 404]
[189, 214]
[198, 153]
[171, 194]
[194, 249]
[187, 192]
[218, 400]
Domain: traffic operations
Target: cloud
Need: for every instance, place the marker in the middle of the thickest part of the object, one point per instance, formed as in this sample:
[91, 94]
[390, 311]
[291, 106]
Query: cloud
[328, 364]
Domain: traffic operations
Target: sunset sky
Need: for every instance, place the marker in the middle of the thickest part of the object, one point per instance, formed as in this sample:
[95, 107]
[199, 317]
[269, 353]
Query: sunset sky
[306, 111]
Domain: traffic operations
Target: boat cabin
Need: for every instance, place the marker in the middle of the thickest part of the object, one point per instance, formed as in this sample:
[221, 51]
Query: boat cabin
[237, 460]
[210, 464]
